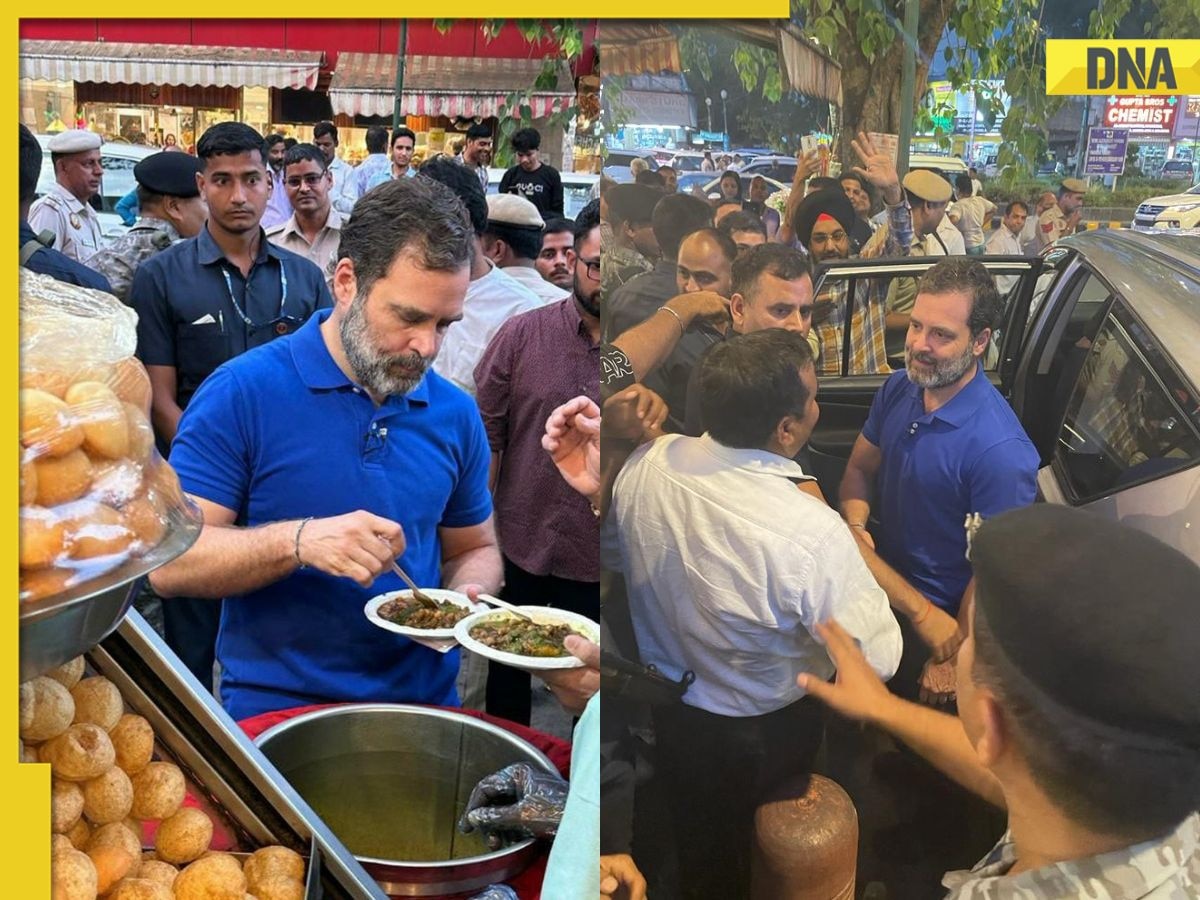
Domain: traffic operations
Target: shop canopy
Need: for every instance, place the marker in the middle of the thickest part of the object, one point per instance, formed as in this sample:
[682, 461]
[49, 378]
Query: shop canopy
[184, 64]
[633, 48]
[364, 84]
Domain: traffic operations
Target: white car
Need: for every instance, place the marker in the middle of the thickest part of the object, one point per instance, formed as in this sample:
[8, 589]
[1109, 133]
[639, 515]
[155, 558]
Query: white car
[1169, 212]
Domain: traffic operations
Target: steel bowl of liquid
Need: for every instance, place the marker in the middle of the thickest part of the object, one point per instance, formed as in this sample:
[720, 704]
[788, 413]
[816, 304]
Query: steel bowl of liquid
[391, 782]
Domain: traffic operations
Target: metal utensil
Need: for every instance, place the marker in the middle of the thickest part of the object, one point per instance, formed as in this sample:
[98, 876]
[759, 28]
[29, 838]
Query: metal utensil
[424, 599]
[504, 604]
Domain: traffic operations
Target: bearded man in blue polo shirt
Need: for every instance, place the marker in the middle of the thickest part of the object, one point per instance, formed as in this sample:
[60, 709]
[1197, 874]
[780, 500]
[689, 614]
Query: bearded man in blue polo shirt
[940, 443]
[320, 458]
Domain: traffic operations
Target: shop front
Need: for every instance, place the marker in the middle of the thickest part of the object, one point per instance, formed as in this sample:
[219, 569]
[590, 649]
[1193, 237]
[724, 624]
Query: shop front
[443, 96]
[155, 94]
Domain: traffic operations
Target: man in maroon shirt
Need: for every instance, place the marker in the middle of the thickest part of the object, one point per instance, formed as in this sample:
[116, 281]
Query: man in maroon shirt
[549, 533]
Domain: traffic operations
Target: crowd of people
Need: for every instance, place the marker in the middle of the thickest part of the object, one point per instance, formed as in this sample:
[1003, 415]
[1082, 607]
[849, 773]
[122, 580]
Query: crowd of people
[745, 603]
[351, 367]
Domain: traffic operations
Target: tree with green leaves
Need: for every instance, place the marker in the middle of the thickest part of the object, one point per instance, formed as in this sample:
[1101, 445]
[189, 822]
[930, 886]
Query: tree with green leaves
[994, 40]
[516, 111]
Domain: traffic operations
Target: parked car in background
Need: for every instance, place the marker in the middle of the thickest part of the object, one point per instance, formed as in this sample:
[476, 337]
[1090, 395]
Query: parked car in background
[117, 160]
[1098, 351]
[577, 188]
[616, 163]
[712, 188]
[1182, 169]
[691, 182]
[949, 167]
[687, 161]
[777, 168]
[1169, 212]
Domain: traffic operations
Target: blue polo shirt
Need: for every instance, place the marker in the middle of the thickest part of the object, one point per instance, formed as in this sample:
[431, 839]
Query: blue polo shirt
[281, 433]
[970, 456]
[192, 305]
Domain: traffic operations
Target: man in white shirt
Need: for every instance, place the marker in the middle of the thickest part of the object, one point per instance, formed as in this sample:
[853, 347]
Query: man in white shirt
[1029, 234]
[513, 240]
[1006, 240]
[492, 296]
[344, 190]
[730, 566]
[972, 211]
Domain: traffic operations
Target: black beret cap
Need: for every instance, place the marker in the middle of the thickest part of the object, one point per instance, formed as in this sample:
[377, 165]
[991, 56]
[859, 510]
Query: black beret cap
[632, 202]
[831, 202]
[170, 173]
[1101, 618]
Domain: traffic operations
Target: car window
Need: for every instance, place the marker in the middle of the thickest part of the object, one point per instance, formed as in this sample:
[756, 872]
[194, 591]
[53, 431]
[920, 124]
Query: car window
[1130, 418]
[879, 323]
[575, 198]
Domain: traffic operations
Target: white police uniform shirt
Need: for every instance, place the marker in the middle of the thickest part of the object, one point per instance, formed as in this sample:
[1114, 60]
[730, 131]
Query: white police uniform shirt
[75, 225]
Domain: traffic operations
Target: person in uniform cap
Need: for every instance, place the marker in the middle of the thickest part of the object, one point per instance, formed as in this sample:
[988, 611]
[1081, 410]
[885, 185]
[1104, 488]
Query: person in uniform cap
[172, 208]
[928, 196]
[36, 253]
[1060, 220]
[64, 211]
[1077, 709]
[633, 248]
[513, 240]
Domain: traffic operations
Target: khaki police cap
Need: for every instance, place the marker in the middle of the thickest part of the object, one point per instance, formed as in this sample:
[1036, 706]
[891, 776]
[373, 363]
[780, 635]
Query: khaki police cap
[77, 140]
[514, 211]
[1074, 185]
[927, 185]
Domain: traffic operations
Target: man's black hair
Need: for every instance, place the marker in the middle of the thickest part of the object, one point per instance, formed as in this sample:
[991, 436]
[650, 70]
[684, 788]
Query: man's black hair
[301, 152]
[402, 131]
[749, 382]
[651, 179]
[557, 225]
[377, 139]
[588, 218]
[525, 242]
[738, 222]
[477, 131]
[526, 139]
[675, 217]
[325, 128]
[464, 183]
[232, 139]
[778, 260]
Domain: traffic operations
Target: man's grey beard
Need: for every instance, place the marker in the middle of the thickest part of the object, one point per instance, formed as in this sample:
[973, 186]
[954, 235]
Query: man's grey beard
[373, 369]
[944, 373]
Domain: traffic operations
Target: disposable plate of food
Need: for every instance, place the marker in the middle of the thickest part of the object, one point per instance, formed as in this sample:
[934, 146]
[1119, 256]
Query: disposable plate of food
[399, 612]
[497, 634]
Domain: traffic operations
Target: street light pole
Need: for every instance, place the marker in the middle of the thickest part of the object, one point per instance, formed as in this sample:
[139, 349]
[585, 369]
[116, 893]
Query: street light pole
[724, 120]
[708, 103]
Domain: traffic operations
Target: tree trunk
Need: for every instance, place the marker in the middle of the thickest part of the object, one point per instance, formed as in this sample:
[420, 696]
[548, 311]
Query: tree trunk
[871, 90]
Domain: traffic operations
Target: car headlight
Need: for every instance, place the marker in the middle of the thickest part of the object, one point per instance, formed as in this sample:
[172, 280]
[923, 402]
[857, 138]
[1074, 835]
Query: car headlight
[1188, 208]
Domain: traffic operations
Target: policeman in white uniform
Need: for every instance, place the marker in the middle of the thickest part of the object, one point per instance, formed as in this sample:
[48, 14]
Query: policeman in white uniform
[64, 211]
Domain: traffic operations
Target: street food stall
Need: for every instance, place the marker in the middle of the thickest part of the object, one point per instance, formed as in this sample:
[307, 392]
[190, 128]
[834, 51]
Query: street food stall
[157, 793]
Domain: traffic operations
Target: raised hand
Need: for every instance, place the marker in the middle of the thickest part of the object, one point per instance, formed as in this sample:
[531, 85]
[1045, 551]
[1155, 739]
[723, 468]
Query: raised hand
[878, 168]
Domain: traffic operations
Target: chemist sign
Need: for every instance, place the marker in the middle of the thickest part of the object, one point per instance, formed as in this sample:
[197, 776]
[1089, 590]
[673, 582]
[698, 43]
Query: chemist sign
[1143, 113]
[1105, 151]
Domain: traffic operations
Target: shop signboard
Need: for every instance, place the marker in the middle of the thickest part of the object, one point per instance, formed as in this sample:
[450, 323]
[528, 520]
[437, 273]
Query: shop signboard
[1142, 114]
[1106, 151]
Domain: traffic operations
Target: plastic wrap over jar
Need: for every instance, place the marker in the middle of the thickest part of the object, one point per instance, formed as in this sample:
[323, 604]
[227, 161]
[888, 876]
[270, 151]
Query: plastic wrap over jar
[94, 492]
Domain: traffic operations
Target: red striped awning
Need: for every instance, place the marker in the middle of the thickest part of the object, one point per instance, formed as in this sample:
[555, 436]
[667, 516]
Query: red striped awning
[364, 84]
[127, 63]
